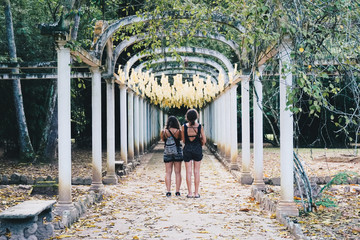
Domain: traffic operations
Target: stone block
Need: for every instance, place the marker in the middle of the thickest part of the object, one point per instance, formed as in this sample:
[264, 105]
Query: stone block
[327, 179]
[48, 178]
[87, 181]
[39, 179]
[15, 178]
[320, 180]
[30, 230]
[353, 180]
[30, 181]
[4, 180]
[47, 188]
[23, 179]
[275, 181]
[77, 181]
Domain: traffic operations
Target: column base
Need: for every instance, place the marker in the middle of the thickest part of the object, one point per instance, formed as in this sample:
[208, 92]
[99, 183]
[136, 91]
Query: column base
[110, 179]
[96, 187]
[259, 184]
[286, 208]
[234, 166]
[246, 178]
[61, 207]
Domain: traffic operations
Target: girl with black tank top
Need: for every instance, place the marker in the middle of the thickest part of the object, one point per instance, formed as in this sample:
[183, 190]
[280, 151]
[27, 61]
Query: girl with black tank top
[194, 138]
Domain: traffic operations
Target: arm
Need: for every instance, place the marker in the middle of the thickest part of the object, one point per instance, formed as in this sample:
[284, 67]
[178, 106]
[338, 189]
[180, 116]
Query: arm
[182, 133]
[162, 134]
[203, 137]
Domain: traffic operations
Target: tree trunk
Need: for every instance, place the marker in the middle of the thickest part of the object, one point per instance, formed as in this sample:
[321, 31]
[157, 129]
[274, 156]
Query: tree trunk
[48, 145]
[26, 149]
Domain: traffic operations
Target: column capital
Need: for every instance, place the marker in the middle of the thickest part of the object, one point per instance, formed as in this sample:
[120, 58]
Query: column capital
[94, 69]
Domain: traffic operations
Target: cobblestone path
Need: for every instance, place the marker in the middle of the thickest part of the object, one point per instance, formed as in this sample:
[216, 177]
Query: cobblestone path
[137, 208]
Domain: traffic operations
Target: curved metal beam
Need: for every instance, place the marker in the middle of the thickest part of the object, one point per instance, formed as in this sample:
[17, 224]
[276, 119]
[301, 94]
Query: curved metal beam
[106, 35]
[204, 69]
[206, 61]
[188, 71]
[202, 51]
[138, 38]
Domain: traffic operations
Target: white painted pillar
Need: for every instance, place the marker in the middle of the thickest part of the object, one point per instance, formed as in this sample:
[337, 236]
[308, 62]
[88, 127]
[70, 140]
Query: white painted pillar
[161, 119]
[216, 122]
[245, 133]
[96, 130]
[123, 125]
[145, 126]
[141, 125]
[64, 126]
[136, 126]
[258, 133]
[130, 125]
[286, 205]
[233, 128]
[229, 130]
[110, 177]
[221, 125]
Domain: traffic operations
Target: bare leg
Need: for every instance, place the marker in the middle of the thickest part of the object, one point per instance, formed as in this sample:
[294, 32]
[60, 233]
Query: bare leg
[188, 168]
[168, 171]
[197, 176]
[177, 169]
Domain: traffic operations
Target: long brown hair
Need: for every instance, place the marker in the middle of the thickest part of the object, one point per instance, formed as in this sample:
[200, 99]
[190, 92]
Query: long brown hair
[172, 122]
[191, 116]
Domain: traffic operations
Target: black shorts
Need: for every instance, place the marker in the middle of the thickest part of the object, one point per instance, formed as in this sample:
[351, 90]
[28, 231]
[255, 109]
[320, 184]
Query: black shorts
[193, 152]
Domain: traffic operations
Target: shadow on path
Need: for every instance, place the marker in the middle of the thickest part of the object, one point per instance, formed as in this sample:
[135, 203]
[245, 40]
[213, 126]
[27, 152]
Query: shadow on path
[137, 208]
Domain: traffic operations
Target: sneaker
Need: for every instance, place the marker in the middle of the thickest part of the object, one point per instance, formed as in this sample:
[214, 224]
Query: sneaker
[177, 194]
[168, 194]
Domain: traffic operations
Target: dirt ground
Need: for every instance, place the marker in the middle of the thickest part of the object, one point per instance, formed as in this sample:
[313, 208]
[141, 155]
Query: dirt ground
[337, 218]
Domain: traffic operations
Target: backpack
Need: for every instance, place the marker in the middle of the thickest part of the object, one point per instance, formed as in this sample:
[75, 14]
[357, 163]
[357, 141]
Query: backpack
[170, 145]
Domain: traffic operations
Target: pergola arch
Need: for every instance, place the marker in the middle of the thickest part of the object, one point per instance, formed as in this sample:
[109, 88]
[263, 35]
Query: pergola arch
[204, 69]
[138, 38]
[201, 74]
[190, 59]
[202, 51]
[126, 21]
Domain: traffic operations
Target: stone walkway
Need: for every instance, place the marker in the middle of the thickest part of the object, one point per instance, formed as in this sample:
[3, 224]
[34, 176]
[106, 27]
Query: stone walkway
[137, 208]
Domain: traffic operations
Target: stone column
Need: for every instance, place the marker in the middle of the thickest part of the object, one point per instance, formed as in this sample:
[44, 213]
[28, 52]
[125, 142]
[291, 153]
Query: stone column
[141, 125]
[222, 124]
[245, 133]
[136, 126]
[64, 126]
[286, 205]
[110, 177]
[229, 130]
[130, 125]
[96, 184]
[123, 125]
[233, 128]
[258, 133]
[145, 126]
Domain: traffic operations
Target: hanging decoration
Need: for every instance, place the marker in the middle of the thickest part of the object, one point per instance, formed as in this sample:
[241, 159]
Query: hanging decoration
[195, 93]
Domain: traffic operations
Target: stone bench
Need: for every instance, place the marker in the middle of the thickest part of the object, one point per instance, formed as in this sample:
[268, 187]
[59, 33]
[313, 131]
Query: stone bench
[25, 221]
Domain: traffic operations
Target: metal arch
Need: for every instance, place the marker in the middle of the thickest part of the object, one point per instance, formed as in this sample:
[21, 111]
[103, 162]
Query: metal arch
[106, 35]
[138, 38]
[202, 51]
[205, 69]
[206, 61]
[182, 71]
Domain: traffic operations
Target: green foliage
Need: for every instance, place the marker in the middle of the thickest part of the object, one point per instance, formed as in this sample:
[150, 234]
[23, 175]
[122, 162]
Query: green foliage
[340, 178]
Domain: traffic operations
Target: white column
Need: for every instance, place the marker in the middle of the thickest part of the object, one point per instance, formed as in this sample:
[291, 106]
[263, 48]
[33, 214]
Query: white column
[145, 126]
[245, 133]
[64, 126]
[222, 124]
[123, 125]
[286, 205]
[110, 177]
[229, 130]
[141, 125]
[136, 126]
[161, 119]
[130, 125]
[216, 122]
[96, 130]
[258, 133]
[233, 128]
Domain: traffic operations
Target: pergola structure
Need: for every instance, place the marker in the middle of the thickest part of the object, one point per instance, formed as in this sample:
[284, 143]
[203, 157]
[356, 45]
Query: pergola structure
[141, 121]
